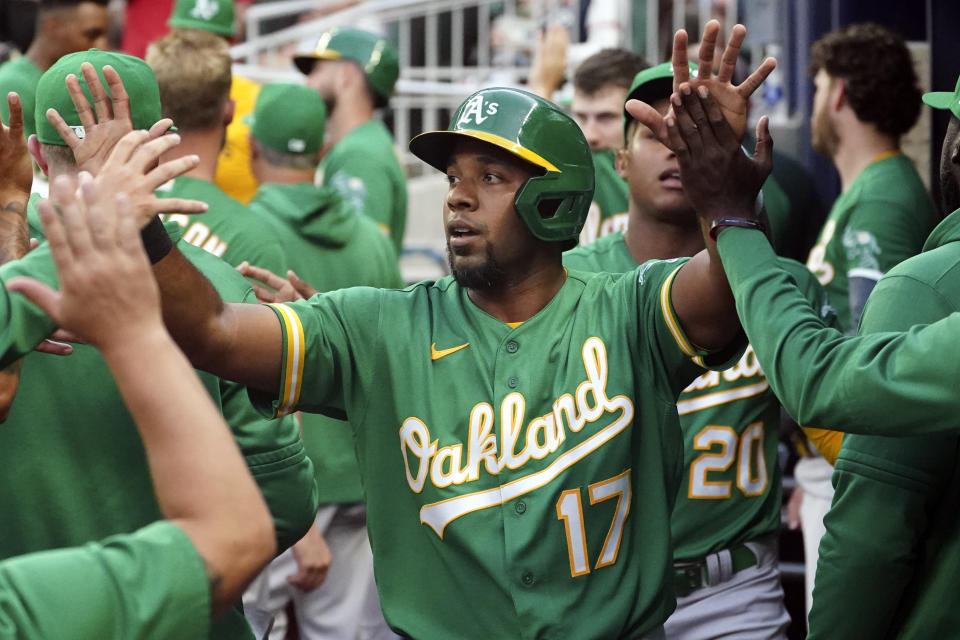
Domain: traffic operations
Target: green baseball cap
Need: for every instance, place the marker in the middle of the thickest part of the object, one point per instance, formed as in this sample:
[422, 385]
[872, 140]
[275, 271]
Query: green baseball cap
[288, 118]
[374, 53]
[945, 100]
[651, 84]
[138, 80]
[215, 16]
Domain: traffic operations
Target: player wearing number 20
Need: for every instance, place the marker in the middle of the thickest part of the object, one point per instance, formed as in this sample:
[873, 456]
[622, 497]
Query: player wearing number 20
[727, 514]
[515, 424]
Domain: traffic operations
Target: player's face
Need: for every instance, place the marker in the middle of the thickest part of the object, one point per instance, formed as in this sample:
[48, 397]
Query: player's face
[653, 175]
[950, 167]
[822, 132]
[324, 78]
[84, 28]
[486, 239]
[600, 116]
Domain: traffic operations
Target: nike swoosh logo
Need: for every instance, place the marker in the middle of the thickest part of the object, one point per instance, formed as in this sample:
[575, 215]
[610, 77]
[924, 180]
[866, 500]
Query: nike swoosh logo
[436, 354]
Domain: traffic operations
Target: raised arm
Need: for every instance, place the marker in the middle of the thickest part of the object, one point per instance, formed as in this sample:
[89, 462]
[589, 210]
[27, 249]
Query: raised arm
[109, 297]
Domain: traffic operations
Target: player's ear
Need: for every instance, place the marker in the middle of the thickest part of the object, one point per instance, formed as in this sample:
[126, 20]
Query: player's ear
[228, 110]
[36, 150]
[838, 94]
[621, 162]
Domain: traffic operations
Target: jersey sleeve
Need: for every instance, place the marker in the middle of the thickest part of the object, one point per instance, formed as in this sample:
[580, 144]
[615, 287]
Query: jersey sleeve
[22, 324]
[680, 359]
[150, 584]
[328, 341]
[824, 379]
[885, 492]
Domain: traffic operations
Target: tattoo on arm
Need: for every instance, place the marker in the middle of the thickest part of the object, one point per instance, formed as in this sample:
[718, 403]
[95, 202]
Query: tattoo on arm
[14, 232]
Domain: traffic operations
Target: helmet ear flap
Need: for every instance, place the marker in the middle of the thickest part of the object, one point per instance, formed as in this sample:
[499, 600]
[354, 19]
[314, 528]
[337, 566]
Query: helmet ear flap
[550, 212]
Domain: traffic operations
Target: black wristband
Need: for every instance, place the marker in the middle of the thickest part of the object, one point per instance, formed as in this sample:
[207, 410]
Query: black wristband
[720, 224]
[156, 240]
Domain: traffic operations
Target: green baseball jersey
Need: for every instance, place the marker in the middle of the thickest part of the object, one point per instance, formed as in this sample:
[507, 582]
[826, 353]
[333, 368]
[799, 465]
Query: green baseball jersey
[528, 470]
[94, 480]
[882, 384]
[731, 489]
[20, 75]
[882, 218]
[891, 533]
[228, 229]
[331, 247]
[364, 168]
[150, 584]
[611, 197]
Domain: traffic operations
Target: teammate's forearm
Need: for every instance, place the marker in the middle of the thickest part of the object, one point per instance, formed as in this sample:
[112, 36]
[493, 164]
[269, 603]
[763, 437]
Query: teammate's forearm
[201, 480]
[14, 244]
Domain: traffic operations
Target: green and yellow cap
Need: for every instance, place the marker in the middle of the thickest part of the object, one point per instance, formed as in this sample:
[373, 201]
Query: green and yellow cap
[289, 118]
[138, 80]
[215, 16]
[553, 205]
[945, 100]
[375, 54]
[651, 84]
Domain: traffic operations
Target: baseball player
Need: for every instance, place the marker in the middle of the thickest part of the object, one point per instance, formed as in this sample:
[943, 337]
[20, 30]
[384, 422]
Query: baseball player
[331, 246]
[94, 482]
[217, 531]
[890, 535]
[62, 27]
[727, 517]
[883, 215]
[507, 418]
[193, 71]
[354, 72]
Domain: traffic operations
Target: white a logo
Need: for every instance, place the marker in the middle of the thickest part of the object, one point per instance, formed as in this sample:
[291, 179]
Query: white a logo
[205, 9]
[476, 111]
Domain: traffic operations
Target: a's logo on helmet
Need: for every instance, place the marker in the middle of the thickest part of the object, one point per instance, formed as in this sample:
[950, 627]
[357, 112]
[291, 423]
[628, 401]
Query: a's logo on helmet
[205, 9]
[476, 111]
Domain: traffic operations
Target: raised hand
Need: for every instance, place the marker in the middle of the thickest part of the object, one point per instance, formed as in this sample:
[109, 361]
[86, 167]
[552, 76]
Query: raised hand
[131, 168]
[731, 99]
[549, 61]
[104, 123]
[269, 287]
[16, 170]
[107, 289]
[718, 177]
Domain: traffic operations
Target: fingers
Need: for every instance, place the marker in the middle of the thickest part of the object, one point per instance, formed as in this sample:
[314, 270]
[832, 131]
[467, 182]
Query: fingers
[62, 335]
[687, 128]
[763, 152]
[16, 115]
[80, 102]
[124, 149]
[647, 115]
[73, 216]
[755, 79]
[260, 274]
[681, 67]
[675, 141]
[717, 123]
[54, 348]
[150, 151]
[166, 171]
[175, 205]
[100, 219]
[38, 293]
[728, 62]
[34, 243]
[121, 101]
[160, 127]
[708, 45]
[101, 99]
[56, 235]
[300, 286]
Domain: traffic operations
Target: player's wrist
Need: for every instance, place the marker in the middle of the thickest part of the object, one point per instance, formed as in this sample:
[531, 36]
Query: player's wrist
[727, 222]
[156, 241]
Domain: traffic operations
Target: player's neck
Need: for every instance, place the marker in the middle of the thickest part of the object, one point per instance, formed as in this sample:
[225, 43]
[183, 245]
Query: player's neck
[650, 238]
[345, 118]
[41, 53]
[521, 297]
[204, 144]
[284, 175]
[858, 149]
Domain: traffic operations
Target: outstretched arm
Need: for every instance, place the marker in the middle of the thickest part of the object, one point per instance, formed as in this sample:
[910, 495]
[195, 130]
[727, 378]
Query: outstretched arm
[108, 296]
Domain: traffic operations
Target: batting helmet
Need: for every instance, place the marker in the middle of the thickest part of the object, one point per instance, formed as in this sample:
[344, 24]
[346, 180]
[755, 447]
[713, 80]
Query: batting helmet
[374, 54]
[534, 130]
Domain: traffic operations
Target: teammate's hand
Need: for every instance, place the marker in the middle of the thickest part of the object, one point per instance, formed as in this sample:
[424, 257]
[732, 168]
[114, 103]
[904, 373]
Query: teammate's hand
[16, 170]
[718, 178]
[793, 508]
[271, 288]
[549, 61]
[731, 99]
[107, 290]
[313, 561]
[131, 168]
[104, 124]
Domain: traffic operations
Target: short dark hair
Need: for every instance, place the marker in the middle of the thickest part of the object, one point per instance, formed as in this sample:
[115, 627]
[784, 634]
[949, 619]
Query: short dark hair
[52, 5]
[288, 159]
[874, 62]
[607, 67]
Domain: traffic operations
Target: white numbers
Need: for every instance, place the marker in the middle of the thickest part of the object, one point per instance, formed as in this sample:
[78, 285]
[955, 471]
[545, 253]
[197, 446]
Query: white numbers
[748, 451]
[570, 511]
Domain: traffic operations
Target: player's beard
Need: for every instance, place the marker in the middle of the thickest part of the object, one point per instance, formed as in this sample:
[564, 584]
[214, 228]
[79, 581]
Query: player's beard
[485, 276]
[823, 135]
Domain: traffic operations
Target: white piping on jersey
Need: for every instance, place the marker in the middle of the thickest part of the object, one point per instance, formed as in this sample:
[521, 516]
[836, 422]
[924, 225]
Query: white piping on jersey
[721, 397]
[861, 272]
[673, 324]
